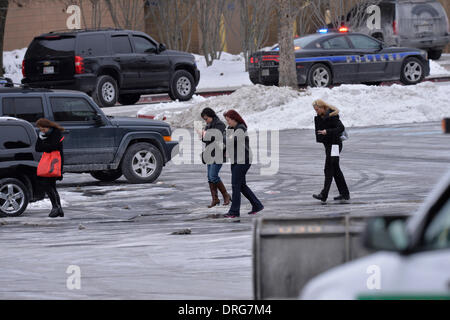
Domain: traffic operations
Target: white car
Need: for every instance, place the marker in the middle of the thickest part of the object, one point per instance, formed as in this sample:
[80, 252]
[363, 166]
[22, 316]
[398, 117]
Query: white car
[412, 259]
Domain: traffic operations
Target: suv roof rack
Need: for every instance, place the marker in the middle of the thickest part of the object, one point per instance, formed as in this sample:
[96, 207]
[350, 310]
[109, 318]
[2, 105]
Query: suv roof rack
[84, 30]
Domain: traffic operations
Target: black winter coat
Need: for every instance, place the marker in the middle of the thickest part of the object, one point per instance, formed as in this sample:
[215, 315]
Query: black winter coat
[52, 143]
[332, 124]
[239, 157]
[216, 124]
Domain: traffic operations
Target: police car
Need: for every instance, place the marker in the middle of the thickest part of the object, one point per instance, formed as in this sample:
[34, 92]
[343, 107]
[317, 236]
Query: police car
[335, 57]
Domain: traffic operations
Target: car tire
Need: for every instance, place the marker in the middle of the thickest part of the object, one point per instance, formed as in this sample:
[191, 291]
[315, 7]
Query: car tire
[15, 188]
[434, 54]
[412, 71]
[182, 85]
[129, 99]
[142, 163]
[320, 76]
[106, 91]
[107, 175]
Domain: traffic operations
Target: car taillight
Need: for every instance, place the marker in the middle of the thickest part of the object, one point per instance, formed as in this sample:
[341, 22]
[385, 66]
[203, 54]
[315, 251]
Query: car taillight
[79, 65]
[394, 27]
[23, 68]
[271, 58]
[252, 60]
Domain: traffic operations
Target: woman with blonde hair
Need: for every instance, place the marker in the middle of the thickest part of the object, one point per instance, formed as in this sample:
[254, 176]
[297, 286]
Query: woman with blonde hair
[50, 139]
[329, 130]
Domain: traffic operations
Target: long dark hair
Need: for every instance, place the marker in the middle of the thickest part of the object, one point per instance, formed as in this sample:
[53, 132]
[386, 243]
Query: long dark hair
[45, 123]
[233, 114]
[209, 113]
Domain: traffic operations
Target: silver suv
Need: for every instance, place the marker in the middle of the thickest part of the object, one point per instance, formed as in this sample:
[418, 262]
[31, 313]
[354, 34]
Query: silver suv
[405, 23]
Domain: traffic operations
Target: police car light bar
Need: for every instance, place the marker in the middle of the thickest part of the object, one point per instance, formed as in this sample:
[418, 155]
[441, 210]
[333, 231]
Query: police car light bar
[323, 30]
[343, 29]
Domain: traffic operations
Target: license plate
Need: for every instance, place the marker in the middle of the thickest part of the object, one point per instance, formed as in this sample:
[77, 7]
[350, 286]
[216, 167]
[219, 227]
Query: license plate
[265, 72]
[49, 70]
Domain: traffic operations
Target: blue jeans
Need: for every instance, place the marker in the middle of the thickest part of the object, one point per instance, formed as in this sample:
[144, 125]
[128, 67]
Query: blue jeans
[239, 184]
[213, 172]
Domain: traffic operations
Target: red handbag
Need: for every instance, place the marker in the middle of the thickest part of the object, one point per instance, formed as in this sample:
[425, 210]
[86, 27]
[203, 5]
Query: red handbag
[50, 164]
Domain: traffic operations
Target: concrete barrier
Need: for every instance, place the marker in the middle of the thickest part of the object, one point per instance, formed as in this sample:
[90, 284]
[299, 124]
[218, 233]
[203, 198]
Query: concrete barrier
[288, 252]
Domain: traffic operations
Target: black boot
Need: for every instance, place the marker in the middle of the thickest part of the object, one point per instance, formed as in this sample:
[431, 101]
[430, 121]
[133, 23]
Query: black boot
[341, 197]
[56, 204]
[320, 197]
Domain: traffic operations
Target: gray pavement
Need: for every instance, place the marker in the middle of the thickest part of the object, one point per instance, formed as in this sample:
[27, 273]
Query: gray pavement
[120, 235]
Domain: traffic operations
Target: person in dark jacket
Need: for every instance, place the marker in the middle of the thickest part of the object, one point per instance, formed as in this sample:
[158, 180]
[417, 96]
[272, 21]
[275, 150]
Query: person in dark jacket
[240, 156]
[50, 139]
[329, 129]
[211, 159]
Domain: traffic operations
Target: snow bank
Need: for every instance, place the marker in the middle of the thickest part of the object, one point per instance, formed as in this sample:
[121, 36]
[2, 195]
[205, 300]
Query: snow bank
[437, 70]
[283, 108]
[12, 63]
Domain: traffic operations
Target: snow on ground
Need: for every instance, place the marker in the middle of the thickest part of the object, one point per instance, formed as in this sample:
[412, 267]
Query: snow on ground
[228, 72]
[12, 63]
[282, 108]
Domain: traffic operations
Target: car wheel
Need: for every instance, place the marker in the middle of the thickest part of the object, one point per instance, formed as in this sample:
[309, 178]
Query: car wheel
[412, 71]
[13, 197]
[129, 99]
[434, 54]
[107, 175]
[142, 163]
[106, 91]
[320, 76]
[182, 85]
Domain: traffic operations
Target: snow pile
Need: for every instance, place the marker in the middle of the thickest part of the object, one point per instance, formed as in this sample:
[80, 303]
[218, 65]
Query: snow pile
[12, 63]
[437, 70]
[228, 72]
[282, 108]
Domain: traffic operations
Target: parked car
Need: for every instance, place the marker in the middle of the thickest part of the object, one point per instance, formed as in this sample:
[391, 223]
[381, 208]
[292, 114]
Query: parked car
[420, 24]
[104, 146]
[18, 164]
[335, 57]
[412, 258]
[110, 65]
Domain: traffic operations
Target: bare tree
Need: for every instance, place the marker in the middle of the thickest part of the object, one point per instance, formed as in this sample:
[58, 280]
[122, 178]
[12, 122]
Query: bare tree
[4, 5]
[127, 14]
[254, 27]
[173, 20]
[211, 23]
[287, 69]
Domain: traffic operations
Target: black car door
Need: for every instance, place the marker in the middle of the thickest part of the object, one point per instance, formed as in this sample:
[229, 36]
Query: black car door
[85, 142]
[128, 61]
[338, 50]
[154, 67]
[372, 63]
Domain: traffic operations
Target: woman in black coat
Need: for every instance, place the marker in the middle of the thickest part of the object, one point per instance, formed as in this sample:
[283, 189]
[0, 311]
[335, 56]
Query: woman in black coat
[212, 160]
[50, 139]
[241, 158]
[329, 129]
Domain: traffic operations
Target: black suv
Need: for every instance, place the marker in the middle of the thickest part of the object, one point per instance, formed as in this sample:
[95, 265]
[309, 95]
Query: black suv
[18, 163]
[105, 147]
[110, 65]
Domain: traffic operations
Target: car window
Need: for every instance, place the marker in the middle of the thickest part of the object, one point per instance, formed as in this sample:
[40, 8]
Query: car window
[363, 42]
[29, 109]
[92, 45]
[143, 45]
[51, 46]
[66, 109]
[336, 43]
[14, 137]
[437, 233]
[121, 44]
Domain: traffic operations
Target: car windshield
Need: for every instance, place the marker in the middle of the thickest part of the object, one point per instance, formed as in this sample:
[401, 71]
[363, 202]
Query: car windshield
[302, 42]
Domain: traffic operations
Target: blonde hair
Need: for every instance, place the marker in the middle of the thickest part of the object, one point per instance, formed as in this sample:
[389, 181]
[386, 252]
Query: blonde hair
[322, 104]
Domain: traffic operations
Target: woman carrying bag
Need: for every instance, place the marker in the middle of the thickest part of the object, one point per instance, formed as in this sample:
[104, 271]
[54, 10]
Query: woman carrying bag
[50, 142]
[331, 132]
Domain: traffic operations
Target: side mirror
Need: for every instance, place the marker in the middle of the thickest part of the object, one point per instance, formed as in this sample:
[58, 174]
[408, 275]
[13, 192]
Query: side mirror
[151, 50]
[387, 234]
[98, 120]
[162, 47]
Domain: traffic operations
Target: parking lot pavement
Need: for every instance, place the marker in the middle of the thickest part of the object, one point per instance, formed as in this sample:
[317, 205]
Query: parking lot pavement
[120, 235]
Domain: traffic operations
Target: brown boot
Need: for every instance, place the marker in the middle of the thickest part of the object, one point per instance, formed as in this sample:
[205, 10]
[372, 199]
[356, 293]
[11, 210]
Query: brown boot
[215, 199]
[225, 194]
